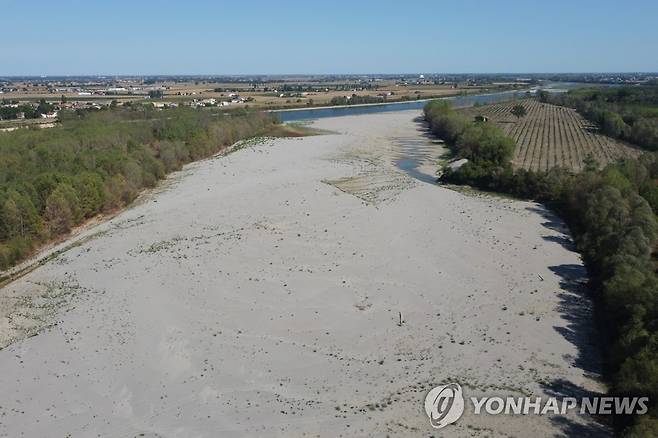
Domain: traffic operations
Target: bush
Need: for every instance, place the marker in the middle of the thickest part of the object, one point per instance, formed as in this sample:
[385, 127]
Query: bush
[443, 121]
[486, 144]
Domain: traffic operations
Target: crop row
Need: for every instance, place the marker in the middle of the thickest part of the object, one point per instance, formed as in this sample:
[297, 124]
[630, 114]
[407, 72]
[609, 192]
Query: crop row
[549, 136]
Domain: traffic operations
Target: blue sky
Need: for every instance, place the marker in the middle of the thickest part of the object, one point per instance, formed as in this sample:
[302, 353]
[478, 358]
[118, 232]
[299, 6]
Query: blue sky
[279, 37]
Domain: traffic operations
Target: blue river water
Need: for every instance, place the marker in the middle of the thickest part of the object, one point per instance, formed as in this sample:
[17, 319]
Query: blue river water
[458, 102]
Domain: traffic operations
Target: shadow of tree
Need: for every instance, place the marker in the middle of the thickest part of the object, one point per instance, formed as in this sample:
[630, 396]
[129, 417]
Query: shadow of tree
[422, 125]
[576, 309]
[565, 241]
[562, 388]
[584, 426]
[554, 223]
[571, 428]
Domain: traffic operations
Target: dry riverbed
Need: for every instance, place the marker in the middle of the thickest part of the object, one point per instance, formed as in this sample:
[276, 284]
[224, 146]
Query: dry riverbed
[259, 293]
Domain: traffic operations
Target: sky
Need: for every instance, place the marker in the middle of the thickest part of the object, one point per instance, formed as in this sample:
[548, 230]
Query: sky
[142, 37]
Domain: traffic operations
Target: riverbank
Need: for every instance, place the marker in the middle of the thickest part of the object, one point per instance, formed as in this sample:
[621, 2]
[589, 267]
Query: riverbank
[259, 293]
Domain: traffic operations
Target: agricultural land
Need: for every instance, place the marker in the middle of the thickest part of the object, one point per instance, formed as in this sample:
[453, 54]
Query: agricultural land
[550, 136]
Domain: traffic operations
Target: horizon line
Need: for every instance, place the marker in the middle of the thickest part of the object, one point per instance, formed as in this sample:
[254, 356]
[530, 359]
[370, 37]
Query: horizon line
[318, 74]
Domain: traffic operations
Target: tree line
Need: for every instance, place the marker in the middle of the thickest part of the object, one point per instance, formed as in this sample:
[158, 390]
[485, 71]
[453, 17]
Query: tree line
[53, 179]
[626, 113]
[612, 216]
[355, 99]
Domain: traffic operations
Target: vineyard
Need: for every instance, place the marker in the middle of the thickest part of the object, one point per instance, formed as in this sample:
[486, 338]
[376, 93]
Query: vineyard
[549, 136]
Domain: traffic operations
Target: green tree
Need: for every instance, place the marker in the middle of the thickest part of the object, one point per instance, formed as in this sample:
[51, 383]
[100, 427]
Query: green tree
[90, 191]
[646, 427]
[156, 94]
[612, 124]
[519, 111]
[486, 144]
[61, 210]
[43, 107]
[650, 192]
[645, 133]
[58, 214]
[590, 163]
[18, 216]
[614, 178]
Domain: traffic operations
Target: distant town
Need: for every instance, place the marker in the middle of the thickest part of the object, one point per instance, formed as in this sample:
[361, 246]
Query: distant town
[39, 99]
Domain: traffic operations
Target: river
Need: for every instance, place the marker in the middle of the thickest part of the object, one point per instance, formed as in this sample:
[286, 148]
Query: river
[293, 115]
[458, 101]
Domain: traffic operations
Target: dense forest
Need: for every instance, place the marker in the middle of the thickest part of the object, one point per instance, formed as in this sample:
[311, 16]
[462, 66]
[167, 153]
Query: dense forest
[53, 179]
[612, 215]
[628, 113]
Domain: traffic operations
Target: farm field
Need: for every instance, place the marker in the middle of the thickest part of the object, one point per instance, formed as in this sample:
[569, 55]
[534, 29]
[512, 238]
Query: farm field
[302, 91]
[549, 136]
